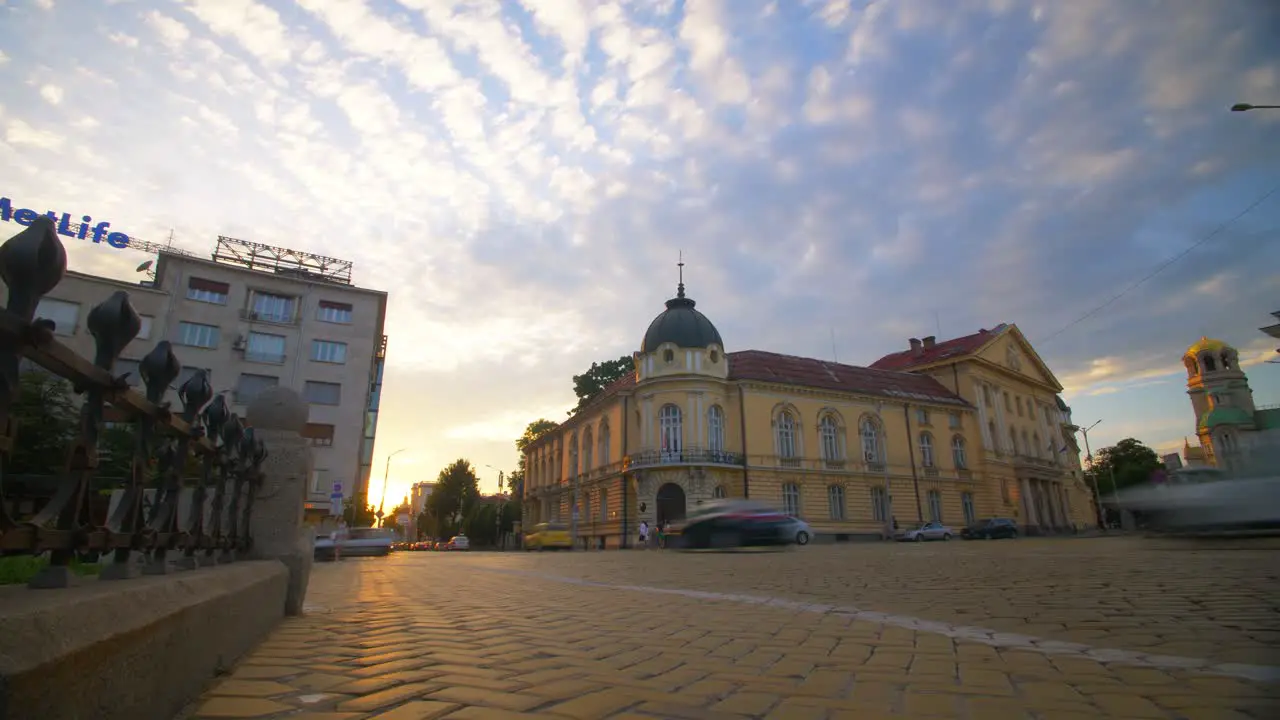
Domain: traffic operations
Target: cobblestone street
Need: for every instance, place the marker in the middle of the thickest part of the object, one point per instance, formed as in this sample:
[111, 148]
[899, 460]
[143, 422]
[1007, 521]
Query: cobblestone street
[1079, 628]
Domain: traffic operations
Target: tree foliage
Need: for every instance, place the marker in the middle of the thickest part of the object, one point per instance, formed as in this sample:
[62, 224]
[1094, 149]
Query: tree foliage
[599, 376]
[1132, 463]
[47, 415]
[456, 492]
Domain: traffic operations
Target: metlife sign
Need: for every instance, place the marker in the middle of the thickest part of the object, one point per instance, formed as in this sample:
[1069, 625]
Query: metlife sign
[83, 230]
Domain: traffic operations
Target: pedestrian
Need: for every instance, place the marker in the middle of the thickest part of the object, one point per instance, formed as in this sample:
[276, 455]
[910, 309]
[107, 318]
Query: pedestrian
[644, 534]
[658, 530]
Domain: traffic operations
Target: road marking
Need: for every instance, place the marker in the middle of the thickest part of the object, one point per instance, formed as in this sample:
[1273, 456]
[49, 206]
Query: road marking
[970, 633]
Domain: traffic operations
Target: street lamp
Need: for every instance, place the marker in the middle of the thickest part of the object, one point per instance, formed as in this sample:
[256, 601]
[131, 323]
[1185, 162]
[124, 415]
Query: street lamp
[386, 475]
[1245, 107]
[1093, 477]
[502, 505]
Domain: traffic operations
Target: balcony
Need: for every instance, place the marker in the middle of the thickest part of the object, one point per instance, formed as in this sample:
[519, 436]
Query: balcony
[687, 456]
[1032, 464]
[275, 318]
[268, 358]
[931, 471]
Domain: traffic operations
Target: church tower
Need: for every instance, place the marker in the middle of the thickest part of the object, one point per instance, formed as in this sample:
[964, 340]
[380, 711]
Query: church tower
[1220, 396]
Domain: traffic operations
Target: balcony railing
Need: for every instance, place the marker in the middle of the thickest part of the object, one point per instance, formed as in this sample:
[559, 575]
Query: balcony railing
[269, 358]
[275, 318]
[1031, 461]
[687, 456]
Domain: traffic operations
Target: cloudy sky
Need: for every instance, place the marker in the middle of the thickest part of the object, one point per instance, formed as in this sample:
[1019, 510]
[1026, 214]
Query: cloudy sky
[521, 176]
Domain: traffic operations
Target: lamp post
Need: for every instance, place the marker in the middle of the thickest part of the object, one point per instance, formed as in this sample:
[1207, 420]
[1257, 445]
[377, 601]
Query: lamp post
[386, 475]
[1093, 477]
[502, 505]
[1245, 107]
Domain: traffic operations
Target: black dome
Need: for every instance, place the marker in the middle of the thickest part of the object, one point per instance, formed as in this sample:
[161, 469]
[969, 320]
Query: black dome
[681, 325]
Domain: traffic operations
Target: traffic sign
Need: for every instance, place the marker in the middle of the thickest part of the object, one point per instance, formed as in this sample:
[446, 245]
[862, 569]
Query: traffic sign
[337, 488]
[335, 504]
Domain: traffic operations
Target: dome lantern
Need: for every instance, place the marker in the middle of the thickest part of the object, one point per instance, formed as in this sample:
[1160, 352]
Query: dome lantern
[681, 324]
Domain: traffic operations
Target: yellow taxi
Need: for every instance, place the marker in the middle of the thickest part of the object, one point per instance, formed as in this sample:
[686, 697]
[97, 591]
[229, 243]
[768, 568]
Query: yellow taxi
[548, 536]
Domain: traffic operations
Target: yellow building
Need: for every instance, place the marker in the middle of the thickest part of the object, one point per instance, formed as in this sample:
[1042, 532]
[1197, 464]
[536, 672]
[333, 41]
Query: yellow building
[849, 449]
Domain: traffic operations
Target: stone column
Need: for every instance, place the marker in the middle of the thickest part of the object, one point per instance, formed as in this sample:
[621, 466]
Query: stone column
[1028, 504]
[278, 416]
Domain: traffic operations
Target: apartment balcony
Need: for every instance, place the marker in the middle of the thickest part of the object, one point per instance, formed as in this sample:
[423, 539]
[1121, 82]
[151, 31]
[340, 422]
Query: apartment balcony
[1032, 465]
[687, 456]
[273, 318]
[266, 358]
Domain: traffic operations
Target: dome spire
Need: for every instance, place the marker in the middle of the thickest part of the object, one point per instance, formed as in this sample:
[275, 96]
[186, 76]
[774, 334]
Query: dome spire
[680, 265]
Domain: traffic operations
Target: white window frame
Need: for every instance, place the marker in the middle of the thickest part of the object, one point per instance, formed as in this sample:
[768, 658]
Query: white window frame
[791, 499]
[337, 316]
[719, 493]
[785, 435]
[926, 450]
[262, 347]
[329, 351]
[307, 397]
[869, 434]
[879, 504]
[959, 455]
[196, 334]
[59, 311]
[935, 506]
[829, 438]
[969, 509]
[273, 307]
[670, 430]
[715, 429]
[144, 330]
[836, 502]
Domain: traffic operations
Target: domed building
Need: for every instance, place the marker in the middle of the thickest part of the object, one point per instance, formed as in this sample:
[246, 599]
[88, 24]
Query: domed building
[1229, 425]
[848, 449]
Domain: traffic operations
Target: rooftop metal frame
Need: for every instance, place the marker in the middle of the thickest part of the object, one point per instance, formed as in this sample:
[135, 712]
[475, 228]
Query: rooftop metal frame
[282, 261]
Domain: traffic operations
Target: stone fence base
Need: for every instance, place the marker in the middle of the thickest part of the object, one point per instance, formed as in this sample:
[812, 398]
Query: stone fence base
[134, 649]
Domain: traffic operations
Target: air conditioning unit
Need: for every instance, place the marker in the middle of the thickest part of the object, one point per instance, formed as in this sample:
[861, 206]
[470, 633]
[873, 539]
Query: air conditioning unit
[240, 343]
[869, 457]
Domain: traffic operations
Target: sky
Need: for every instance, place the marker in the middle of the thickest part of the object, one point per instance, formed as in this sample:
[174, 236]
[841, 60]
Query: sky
[840, 176]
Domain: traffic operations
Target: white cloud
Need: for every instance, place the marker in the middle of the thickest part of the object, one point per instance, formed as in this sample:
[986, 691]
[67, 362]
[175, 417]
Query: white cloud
[52, 94]
[18, 132]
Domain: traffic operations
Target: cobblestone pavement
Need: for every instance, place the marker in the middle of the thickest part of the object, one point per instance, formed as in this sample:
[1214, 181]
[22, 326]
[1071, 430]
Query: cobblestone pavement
[1029, 629]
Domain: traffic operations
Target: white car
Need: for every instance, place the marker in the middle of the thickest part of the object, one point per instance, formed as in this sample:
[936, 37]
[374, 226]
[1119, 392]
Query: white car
[355, 542]
[926, 531]
[799, 530]
[1207, 500]
[459, 542]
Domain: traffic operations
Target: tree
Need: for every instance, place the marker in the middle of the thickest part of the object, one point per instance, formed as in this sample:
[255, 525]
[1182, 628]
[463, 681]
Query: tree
[599, 376]
[47, 416]
[535, 430]
[355, 517]
[457, 489]
[1129, 462]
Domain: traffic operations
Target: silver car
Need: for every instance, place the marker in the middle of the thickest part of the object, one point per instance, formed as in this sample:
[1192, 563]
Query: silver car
[927, 531]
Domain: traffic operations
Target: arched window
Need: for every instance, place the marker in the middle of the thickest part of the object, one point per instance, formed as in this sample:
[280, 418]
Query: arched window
[935, 506]
[879, 504]
[829, 435]
[588, 451]
[1226, 361]
[1209, 365]
[1027, 449]
[1035, 443]
[603, 440]
[869, 431]
[835, 501]
[926, 449]
[573, 455]
[1013, 441]
[715, 429]
[991, 433]
[670, 430]
[791, 499]
[719, 493]
[785, 432]
[986, 396]
[957, 453]
[669, 355]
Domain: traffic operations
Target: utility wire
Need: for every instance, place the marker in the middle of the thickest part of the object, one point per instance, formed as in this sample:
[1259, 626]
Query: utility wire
[1161, 268]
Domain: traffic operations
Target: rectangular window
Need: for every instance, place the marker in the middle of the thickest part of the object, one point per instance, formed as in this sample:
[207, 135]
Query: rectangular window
[935, 506]
[197, 335]
[123, 366]
[1008, 404]
[327, 351]
[319, 435]
[370, 423]
[250, 385]
[318, 481]
[966, 502]
[922, 416]
[835, 502]
[879, 504]
[268, 307]
[144, 332]
[334, 312]
[265, 348]
[208, 291]
[791, 499]
[954, 421]
[322, 393]
[65, 315]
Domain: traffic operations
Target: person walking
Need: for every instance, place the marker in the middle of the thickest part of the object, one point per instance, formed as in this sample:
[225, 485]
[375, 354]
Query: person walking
[644, 535]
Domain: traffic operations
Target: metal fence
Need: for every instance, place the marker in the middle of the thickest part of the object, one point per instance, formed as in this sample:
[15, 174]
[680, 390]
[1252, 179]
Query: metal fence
[215, 526]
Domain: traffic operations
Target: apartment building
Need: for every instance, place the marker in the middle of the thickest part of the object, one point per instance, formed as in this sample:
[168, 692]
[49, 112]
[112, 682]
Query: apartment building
[256, 316]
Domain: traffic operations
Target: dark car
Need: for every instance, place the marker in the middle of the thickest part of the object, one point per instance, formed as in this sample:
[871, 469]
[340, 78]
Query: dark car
[733, 523]
[991, 529]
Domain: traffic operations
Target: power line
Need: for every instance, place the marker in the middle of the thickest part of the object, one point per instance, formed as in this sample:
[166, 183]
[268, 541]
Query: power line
[1161, 268]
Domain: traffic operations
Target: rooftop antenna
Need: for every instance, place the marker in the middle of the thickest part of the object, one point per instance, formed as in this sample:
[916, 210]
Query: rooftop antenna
[834, 356]
[680, 265]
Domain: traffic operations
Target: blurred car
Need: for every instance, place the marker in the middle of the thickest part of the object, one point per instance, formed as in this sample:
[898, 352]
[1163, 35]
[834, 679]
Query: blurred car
[799, 530]
[990, 529]
[359, 542]
[1206, 500]
[458, 542]
[927, 531]
[727, 524]
[548, 536]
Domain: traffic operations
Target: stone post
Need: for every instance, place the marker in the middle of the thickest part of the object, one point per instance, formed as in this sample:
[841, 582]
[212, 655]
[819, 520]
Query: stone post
[277, 416]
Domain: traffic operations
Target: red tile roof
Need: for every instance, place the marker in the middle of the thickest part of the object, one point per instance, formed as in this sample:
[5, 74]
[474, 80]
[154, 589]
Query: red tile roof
[945, 350]
[770, 367]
